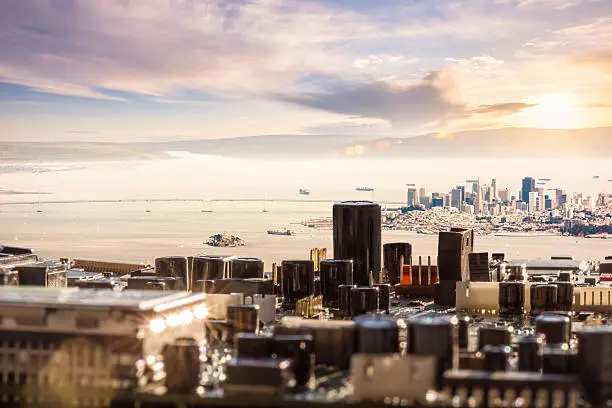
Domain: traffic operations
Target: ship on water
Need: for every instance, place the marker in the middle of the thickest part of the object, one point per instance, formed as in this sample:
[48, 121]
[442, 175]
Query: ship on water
[285, 232]
[364, 189]
[304, 191]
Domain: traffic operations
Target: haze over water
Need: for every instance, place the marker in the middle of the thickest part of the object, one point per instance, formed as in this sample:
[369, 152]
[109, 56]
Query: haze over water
[126, 231]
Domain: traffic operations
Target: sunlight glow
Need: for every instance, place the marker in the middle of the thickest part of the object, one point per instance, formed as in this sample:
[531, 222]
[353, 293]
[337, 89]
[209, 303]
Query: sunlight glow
[554, 111]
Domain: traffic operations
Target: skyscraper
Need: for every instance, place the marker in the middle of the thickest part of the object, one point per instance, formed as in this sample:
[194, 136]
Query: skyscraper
[494, 190]
[412, 197]
[456, 198]
[357, 236]
[529, 186]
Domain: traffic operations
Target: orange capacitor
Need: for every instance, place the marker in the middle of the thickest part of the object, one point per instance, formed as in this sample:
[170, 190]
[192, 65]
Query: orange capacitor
[406, 274]
[422, 275]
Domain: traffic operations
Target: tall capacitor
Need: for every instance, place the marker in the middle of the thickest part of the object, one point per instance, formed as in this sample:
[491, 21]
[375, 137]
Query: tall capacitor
[344, 300]
[384, 296]
[334, 272]
[530, 352]
[245, 268]
[555, 327]
[511, 297]
[565, 295]
[173, 267]
[379, 336]
[395, 255]
[243, 318]
[593, 363]
[297, 281]
[434, 335]
[182, 365]
[543, 298]
[208, 268]
[363, 300]
[357, 236]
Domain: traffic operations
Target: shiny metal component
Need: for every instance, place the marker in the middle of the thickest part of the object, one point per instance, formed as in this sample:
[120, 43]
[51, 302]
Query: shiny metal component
[395, 256]
[297, 281]
[245, 268]
[334, 272]
[357, 236]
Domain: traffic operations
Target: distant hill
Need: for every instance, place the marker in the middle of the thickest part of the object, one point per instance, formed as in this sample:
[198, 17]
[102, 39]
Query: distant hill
[505, 142]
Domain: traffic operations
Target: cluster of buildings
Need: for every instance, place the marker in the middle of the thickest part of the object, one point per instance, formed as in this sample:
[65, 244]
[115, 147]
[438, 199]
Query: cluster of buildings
[488, 208]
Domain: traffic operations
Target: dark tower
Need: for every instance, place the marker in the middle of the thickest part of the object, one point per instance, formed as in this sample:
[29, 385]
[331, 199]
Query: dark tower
[454, 247]
[395, 255]
[529, 186]
[357, 236]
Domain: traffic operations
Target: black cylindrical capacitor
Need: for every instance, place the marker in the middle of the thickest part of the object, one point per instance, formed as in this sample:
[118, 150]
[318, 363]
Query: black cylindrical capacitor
[344, 299]
[297, 281]
[496, 357]
[395, 255]
[463, 331]
[363, 300]
[247, 268]
[543, 298]
[494, 336]
[204, 286]
[251, 345]
[564, 277]
[434, 335]
[378, 336]
[173, 267]
[334, 272]
[557, 360]
[299, 348]
[556, 328]
[384, 296]
[511, 297]
[565, 296]
[182, 364]
[243, 318]
[593, 363]
[317, 286]
[208, 268]
[530, 352]
[357, 236]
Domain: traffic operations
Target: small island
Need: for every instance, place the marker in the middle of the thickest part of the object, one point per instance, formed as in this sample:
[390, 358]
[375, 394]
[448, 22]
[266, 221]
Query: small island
[225, 240]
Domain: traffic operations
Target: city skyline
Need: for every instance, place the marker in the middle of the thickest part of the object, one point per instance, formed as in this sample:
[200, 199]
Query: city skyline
[170, 69]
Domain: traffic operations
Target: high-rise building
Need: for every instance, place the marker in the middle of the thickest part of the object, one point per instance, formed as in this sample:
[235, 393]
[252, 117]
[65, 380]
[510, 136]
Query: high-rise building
[541, 199]
[477, 198]
[504, 195]
[560, 197]
[532, 201]
[412, 198]
[437, 201]
[422, 192]
[494, 189]
[457, 198]
[357, 236]
[529, 186]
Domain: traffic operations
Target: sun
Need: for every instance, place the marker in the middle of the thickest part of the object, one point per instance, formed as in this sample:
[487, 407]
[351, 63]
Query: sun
[554, 111]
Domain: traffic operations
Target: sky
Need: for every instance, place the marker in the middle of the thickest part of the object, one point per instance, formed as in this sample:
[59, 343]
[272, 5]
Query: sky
[148, 70]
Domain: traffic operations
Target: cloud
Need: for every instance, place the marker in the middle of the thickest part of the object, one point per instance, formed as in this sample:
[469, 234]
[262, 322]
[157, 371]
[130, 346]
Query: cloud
[431, 104]
[404, 106]
[602, 58]
[503, 109]
[555, 4]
